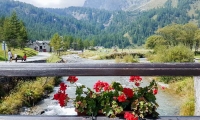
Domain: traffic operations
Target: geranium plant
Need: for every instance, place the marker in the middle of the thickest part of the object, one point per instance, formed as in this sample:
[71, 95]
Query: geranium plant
[113, 99]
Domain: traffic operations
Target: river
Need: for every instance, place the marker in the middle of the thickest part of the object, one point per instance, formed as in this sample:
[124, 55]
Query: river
[168, 104]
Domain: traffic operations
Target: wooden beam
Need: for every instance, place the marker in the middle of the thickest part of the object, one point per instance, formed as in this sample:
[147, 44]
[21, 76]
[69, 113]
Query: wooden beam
[65, 117]
[66, 69]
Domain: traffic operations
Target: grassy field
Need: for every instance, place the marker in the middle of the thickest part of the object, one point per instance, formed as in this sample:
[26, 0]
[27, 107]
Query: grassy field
[29, 52]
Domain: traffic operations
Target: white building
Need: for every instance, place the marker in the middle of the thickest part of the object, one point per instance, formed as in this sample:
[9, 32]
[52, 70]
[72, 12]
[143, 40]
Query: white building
[41, 46]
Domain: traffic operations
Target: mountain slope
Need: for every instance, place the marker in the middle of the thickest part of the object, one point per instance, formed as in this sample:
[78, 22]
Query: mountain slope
[42, 24]
[107, 28]
[112, 5]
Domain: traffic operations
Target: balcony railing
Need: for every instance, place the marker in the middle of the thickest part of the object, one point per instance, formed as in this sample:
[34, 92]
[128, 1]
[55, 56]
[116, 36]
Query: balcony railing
[63, 69]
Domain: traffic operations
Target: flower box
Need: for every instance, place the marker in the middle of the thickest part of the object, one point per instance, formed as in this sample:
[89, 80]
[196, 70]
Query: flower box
[113, 100]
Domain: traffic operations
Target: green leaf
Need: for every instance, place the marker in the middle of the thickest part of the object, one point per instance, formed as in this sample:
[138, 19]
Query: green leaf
[117, 86]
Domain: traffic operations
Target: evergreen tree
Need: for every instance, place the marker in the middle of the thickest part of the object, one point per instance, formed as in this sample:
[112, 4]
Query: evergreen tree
[15, 28]
[23, 37]
[7, 32]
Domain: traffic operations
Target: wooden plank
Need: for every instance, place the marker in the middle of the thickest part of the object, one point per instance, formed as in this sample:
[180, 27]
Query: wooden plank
[65, 69]
[64, 117]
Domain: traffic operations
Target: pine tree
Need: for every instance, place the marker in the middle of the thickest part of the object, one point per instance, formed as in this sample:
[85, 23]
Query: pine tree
[7, 32]
[22, 36]
[15, 28]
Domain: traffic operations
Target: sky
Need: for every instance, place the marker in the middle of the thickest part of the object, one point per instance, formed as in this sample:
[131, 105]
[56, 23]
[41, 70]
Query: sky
[54, 3]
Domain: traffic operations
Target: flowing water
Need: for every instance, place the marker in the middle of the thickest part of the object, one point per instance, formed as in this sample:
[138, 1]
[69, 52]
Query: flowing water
[168, 104]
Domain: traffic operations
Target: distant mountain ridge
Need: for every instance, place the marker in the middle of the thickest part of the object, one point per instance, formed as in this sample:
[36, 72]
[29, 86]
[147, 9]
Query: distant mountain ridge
[112, 5]
[107, 28]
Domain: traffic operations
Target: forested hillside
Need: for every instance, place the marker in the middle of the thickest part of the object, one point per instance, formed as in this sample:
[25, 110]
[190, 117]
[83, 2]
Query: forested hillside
[148, 21]
[112, 5]
[107, 28]
[42, 24]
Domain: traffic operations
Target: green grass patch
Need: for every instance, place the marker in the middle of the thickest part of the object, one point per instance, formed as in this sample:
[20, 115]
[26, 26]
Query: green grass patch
[20, 52]
[130, 59]
[185, 89]
[127, 59]
[25, 94]
[53, 58]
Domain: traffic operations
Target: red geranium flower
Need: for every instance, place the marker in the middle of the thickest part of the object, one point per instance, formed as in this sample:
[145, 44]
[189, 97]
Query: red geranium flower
[130, 116]
[63, 87]
[99, 85]
[135, 78]
[56, 96]
[72, 79]
[61, 97]
[107, 87]
[155, 91]
[128, 92]
[121, 98]
[137, 84]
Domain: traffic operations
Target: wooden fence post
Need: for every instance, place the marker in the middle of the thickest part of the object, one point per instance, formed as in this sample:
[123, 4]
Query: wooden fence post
[197, 95]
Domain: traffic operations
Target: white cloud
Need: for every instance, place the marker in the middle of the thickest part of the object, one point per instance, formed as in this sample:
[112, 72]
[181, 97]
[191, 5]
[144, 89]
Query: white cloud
[54, 3]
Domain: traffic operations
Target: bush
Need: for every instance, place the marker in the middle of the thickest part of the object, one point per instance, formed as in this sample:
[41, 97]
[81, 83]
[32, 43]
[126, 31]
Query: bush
[57, 80]
[178, 53]
[49, 88]
[130, 59]
[169, 79]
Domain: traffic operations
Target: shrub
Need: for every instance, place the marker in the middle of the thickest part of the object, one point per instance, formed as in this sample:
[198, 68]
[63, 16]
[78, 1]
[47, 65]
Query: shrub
[130, 59]
[178, 53]
[169, 79]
